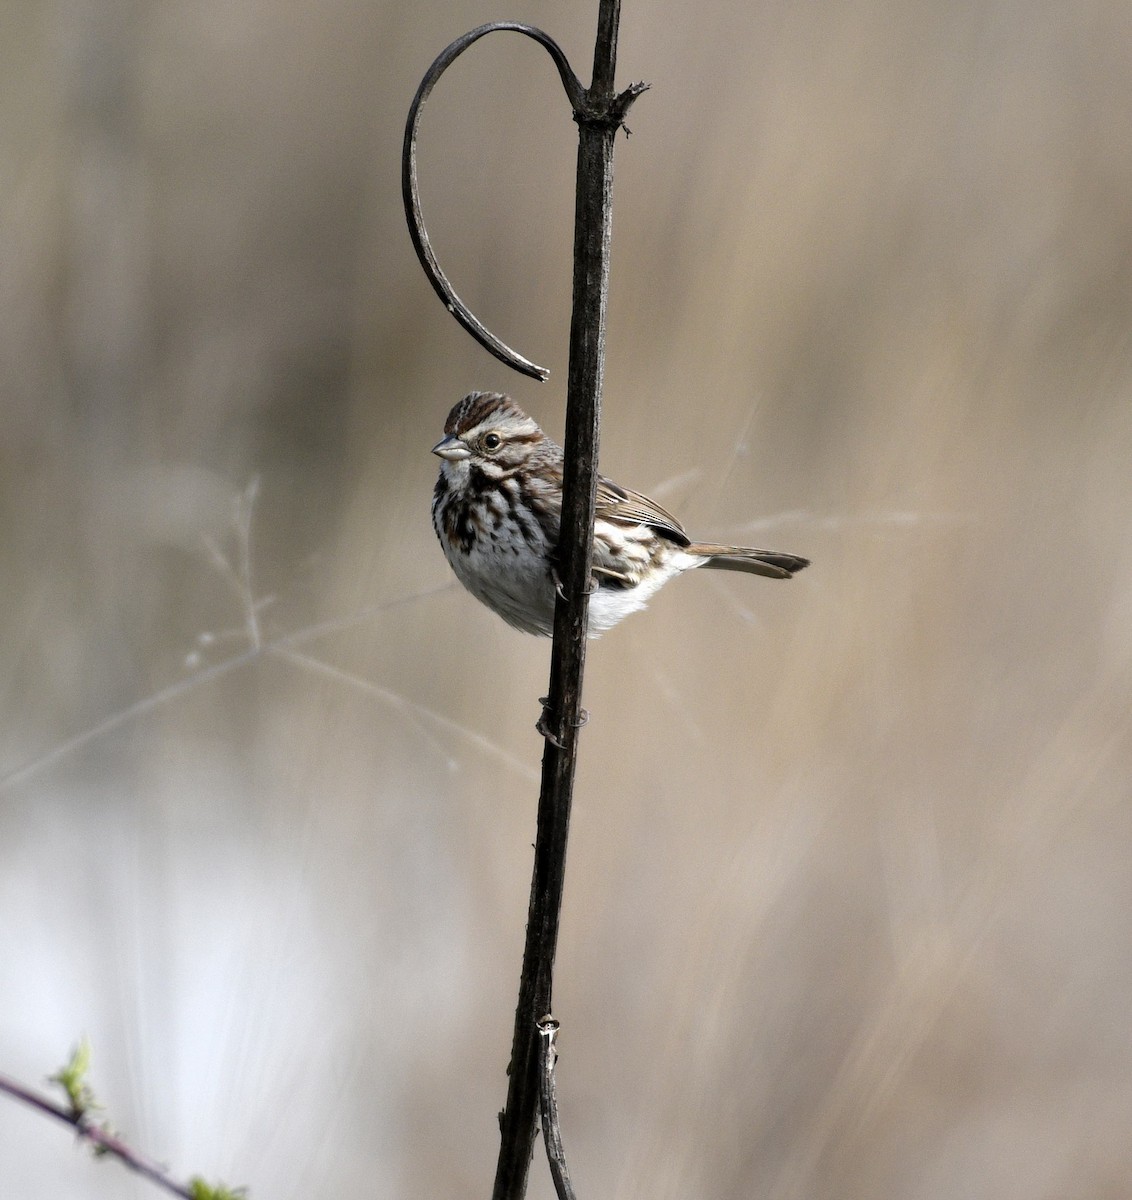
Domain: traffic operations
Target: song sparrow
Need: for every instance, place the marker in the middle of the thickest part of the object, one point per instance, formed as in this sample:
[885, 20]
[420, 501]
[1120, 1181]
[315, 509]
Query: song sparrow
[496, 510]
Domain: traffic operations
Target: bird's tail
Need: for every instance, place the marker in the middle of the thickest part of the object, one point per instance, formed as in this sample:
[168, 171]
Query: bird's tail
[743, 558]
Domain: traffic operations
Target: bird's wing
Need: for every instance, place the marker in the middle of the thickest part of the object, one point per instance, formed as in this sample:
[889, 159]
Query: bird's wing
[615, 503]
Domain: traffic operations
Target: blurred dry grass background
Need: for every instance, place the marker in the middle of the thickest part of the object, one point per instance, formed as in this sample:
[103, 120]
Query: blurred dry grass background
[850, 894]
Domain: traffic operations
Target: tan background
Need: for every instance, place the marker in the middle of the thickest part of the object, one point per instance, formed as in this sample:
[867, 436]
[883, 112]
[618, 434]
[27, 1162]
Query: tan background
[849, 905]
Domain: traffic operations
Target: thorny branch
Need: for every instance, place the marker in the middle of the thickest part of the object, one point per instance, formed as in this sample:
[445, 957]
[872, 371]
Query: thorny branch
[103, 1141]
[599, 113]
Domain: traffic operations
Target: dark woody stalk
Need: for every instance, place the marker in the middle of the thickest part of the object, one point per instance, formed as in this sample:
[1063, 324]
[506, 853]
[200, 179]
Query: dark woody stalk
[599, 113]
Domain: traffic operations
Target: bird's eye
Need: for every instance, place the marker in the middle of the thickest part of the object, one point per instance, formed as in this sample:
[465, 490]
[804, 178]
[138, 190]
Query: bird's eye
[492, 441]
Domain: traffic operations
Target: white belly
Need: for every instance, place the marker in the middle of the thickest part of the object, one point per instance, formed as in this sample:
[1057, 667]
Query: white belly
[523, 594]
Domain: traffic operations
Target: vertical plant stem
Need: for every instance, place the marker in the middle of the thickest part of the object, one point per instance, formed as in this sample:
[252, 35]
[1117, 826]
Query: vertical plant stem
[598, 124]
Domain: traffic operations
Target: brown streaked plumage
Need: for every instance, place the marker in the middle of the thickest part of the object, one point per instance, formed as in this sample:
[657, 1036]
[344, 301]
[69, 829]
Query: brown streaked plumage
[496, 510]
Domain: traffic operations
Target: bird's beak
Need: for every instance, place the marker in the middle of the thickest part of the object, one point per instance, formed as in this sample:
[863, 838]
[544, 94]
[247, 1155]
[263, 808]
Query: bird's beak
[451, 449]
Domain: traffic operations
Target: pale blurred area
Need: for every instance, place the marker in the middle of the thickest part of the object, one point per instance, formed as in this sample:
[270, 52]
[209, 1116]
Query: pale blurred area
[849, 900]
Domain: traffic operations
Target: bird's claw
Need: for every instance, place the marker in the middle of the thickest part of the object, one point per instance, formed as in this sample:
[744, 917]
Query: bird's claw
[544, 728]
[592, 587]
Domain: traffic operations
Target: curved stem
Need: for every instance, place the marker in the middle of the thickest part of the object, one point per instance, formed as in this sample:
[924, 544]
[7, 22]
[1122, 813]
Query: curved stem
[410, 190]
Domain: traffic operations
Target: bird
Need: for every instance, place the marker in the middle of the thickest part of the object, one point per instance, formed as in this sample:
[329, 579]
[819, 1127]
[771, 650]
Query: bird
[496, 510]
